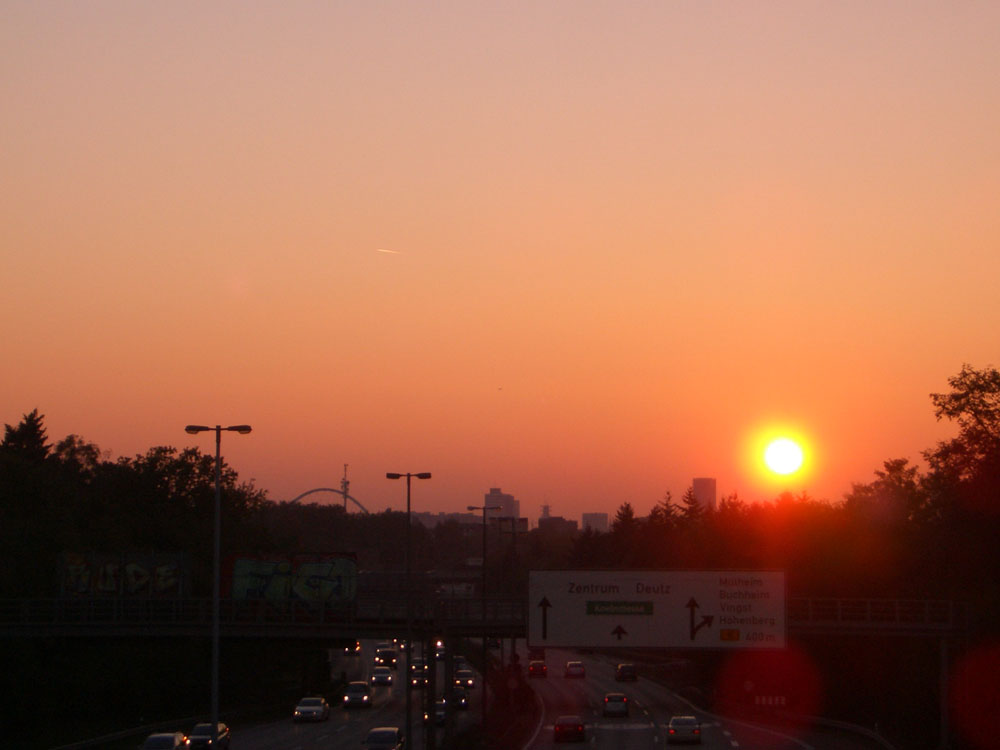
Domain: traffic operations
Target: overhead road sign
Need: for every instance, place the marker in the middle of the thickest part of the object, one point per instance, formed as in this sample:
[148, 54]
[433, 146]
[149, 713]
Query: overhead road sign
[656, 608]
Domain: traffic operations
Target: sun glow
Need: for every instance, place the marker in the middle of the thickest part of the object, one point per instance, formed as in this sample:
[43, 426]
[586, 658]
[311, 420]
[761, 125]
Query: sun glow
[778, 457]
[783, 456]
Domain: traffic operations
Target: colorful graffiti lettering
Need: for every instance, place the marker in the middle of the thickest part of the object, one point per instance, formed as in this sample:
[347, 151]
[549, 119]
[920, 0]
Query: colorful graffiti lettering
[325, 579]
[124, 575]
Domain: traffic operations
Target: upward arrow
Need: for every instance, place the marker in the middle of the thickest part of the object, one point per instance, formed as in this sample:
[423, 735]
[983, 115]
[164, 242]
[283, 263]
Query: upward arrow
[705, 620]
[545, 604]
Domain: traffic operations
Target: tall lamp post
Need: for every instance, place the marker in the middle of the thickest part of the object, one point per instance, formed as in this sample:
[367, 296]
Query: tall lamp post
[194, 429]
[484, 509]
[409, 595]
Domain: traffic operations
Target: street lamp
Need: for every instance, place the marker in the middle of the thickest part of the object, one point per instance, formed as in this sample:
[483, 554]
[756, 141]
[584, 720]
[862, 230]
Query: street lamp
[409, 594]
[482, 596]
[194, 429]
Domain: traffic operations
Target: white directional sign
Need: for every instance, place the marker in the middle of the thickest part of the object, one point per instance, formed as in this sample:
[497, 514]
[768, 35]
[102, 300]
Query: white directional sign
[656, 609]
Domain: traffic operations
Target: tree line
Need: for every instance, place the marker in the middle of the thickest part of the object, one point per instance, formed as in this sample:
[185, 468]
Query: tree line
[910, 532]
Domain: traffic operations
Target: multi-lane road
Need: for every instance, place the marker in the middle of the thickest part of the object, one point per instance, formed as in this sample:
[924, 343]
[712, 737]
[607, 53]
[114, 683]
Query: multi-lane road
[650, 708]
[347, 728]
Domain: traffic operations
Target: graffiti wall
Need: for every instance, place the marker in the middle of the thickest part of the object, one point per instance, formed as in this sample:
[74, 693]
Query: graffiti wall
[159, 575]
[306, 578]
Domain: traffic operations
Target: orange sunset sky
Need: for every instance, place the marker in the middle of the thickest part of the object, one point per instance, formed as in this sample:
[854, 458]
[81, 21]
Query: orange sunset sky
[582, 251]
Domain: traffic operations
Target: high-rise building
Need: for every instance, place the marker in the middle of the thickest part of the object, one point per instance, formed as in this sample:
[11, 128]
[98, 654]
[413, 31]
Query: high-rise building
[596, 521]
[509, 507]
[704, 491]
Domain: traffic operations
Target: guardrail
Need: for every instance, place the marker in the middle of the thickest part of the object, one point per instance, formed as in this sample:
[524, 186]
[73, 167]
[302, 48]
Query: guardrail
[377, 615]
[916, 615]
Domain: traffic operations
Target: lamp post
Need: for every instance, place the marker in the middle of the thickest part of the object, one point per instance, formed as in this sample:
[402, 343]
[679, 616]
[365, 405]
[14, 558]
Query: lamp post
[409, 595]
[194, 429]
[482, 596]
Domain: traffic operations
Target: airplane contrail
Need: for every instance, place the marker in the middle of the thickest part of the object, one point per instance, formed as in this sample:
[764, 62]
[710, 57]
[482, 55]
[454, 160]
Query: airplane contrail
[383, 250]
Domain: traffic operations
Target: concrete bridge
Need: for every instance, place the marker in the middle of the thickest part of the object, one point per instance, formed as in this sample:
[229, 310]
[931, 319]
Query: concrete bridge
[384, 616]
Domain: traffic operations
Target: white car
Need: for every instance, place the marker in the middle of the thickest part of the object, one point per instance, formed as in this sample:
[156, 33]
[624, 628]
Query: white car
[683, 729]
[312, 708]
[615, 704]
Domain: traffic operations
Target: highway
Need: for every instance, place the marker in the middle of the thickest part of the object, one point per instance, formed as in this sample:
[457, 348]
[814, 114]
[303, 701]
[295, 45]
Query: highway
[346, 728]
[645, 728]
[650, 709]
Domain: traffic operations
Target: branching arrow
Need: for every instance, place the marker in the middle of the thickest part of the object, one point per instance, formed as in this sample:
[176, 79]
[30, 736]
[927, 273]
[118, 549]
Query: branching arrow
[619, 631]
[705, 620]
[545, 604]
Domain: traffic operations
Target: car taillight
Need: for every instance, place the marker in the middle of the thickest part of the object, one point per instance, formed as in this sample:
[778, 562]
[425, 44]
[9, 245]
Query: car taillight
[672, 731]
[579, 727]
[697, 731]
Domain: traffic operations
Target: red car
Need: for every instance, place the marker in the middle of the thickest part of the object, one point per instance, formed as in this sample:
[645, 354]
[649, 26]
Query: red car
[569, 729]
[537, 669]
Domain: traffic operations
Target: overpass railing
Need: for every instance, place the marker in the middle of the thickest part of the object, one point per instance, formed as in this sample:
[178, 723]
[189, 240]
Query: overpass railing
[376, 615]
[367, 614]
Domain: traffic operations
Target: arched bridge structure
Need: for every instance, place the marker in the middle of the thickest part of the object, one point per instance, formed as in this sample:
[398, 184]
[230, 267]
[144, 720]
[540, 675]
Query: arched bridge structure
[336, 492]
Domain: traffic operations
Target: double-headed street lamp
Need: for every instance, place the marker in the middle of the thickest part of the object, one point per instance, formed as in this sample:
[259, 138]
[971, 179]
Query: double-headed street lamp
[194, 429]
[484, 509]
[409, 593]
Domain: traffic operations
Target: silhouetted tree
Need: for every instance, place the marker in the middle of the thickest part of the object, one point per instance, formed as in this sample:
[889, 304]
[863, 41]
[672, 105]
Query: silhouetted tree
[692, 511]
[664, 515]
[27, 439]
[895, 497]
[625, 522]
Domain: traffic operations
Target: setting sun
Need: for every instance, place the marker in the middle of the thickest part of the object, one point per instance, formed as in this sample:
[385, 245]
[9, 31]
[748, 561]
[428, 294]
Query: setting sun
[783, 456]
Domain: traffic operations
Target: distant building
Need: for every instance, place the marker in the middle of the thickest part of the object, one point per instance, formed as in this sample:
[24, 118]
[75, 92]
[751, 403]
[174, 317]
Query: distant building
[704, 491]
[509, 507]
[596, 521]
[430, 520]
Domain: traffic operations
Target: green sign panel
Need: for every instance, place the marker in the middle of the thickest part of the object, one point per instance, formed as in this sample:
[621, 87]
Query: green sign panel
[619, 608]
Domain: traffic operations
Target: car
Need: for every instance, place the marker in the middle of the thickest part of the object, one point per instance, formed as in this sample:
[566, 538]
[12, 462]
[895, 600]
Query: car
[381, 676]
[440, 712]
[575, 669]
[166, 741]
[569, 729]
[418, 673]
[312, 708]
[386, 657]
[626, 673]
[683, 729]
[615, 704]
[537, 669]
[357, 694]
[464, 678]
[201, 736]
[353, 649]
[384, 738]
[459, 698]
